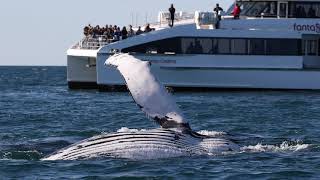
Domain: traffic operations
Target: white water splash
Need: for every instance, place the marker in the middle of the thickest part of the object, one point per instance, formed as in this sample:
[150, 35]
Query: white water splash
[283, 147]
[212, 133]
[127, 130]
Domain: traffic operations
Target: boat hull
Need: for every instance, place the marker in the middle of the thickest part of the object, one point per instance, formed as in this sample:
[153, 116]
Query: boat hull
[290, 75]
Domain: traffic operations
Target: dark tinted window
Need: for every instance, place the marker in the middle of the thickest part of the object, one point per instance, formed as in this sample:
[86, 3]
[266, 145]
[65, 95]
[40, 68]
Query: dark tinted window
[304, 9]
[283, 47]
[162, 46]
[224, 46]
[312, 47]
[257, 9]
[257, 47]
[239, 46]
[206, 44]
[188, 45]
[318, 47]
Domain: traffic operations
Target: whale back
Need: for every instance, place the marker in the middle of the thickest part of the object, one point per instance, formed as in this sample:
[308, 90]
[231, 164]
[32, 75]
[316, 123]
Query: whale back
[147, 144]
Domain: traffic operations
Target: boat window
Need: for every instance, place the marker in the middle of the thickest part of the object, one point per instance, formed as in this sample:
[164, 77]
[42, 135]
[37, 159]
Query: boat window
[312, 47]
[239, 46]
[304, 9]
[215, 46]
[257, 47]
[257, 9]
[206, 44]
[187, 45]
[223, 46]
[283, 9]
[196, 45]
[283, 47]
[169, 46]
[318, 47]
[228, 46]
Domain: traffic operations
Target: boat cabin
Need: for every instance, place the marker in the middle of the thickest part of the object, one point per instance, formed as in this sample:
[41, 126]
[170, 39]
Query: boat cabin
[279, 9]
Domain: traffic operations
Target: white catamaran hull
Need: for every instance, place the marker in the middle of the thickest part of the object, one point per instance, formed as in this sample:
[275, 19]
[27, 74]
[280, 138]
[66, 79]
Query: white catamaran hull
[223, 72]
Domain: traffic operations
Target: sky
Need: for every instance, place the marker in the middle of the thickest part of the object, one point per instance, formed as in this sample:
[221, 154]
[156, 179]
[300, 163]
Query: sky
[39, 32]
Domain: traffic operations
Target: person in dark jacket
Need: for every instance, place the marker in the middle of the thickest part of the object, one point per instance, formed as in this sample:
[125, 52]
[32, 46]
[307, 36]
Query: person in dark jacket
[172, 11]
[147, 28]
[139, 31]
[218, 11]
[124, 33]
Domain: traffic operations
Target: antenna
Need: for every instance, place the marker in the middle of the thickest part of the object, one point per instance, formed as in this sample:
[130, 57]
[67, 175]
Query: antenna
[146, 17]
[137, 19]
[131, 14]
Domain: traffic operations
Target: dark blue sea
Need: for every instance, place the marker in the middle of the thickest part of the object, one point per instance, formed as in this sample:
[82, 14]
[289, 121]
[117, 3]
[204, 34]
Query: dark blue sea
[278, 130]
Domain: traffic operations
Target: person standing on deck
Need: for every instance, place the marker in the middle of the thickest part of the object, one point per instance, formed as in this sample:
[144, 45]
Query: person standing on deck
[172, 11]
[124, 33]
[218, 11]
[236, 11]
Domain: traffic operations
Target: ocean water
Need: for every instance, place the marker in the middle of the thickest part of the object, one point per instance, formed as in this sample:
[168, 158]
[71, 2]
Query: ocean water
[279, 131]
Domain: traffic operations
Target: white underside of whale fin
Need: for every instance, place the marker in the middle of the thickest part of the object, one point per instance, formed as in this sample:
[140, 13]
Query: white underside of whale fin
[149, 94]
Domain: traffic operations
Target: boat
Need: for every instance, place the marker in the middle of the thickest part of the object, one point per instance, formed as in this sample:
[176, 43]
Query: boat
[273, 45]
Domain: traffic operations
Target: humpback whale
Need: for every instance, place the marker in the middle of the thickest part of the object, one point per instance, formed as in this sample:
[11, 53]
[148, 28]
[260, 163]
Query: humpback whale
[174, 138]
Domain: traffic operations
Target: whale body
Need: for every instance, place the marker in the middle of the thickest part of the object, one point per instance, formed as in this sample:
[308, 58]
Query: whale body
[175, 138]
[149, 144]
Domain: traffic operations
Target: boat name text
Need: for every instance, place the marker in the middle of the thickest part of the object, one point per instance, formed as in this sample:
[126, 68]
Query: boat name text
[307, 27]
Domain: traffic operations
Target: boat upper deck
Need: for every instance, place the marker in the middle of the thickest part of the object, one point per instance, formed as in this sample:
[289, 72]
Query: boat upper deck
[284, 15]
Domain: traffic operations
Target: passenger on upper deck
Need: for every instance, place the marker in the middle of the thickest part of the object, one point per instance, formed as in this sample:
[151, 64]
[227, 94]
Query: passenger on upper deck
[131, 31]
[218, 11]
[139, 31]
[172, 11]
[147, 29]
[86, 31]
[124, 33]
[236, 11]
[117, 34]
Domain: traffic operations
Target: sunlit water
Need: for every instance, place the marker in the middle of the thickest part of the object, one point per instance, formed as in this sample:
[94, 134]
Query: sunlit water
[279, 132]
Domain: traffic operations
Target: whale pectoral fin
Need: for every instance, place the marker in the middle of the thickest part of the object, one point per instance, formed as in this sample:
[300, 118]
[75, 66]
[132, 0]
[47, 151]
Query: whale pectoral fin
[148, 93]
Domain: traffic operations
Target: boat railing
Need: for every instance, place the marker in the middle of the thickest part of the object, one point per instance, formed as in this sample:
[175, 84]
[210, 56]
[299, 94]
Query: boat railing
[93, 42]
[180, 18]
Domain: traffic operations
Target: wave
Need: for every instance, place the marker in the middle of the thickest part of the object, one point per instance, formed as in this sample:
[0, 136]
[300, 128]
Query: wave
[127, 130]
[21, 155]
[212, 133]
[286, 146]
